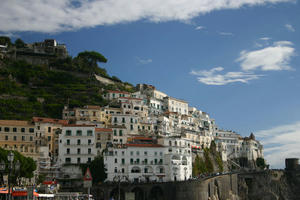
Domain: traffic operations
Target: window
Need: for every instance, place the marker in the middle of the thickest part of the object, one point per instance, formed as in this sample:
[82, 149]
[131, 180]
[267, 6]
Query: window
[131, 153]
[115, 119]
[31, 138]
[123, 170]
[160, 153]
[23, 138]
[68, 151]
[123, 161]
[68, 142]
[145, 153]
[0, 128]
[79, 133]
[155, 161]
[116, 160]
[89, 150]
[68, 132]
[131, 161]
[31, 130]
[78, 151]
[116, 170]
[131, 127]
[6, 129]
[68, 160]
[6, 137]
[138, 161]
[131, 120]
[14, 129]
[89, 141]
[120, 133]
[89, 160]
[15, 138]
[146, 161]
[146, 170]
[137, 153]
[115, 132]
[89, 133]
[78, 160]
[49, 129]
[123, 153]
[123, 119]
[78, 142]
[49, 138]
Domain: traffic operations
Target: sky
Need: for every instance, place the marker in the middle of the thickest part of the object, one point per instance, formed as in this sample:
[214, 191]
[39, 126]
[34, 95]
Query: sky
[234, 59]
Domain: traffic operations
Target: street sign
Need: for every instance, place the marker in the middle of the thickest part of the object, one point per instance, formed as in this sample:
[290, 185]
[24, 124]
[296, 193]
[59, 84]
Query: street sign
[87, 179]
[88, 175]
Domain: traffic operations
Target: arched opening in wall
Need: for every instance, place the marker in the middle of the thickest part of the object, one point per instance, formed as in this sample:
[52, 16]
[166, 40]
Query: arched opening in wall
[114, 194]
[135, 169]
[138, 193]
[156, 193]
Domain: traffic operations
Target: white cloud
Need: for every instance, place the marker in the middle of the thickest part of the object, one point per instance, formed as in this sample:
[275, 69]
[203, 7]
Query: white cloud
[210, 77]
[63, 15]
[226, 33]
[265, 38]
[199, 28]
[144, 61]
[280, 142]
[275, 57]
[289, 27]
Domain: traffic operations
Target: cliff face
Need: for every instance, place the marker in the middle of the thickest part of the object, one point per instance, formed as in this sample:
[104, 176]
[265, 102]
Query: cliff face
[269, 185]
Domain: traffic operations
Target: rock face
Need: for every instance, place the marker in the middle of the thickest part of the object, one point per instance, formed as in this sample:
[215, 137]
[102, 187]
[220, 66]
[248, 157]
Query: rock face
[269, 185]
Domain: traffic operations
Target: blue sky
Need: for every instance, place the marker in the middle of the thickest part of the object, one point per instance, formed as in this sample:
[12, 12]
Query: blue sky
[236, 60]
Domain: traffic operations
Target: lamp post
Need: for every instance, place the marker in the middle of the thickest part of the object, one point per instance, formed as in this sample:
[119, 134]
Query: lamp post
[15, 167]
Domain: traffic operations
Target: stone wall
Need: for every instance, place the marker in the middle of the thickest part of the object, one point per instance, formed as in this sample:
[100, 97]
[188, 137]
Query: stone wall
[223, 187]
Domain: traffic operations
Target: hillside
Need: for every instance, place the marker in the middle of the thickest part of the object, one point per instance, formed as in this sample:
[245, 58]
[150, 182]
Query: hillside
[28, 90]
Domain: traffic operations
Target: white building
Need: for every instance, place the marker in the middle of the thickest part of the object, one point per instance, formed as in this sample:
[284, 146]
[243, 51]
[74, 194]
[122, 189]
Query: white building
[111, 95]
[146, 161]
[176, 105]
[77, 144]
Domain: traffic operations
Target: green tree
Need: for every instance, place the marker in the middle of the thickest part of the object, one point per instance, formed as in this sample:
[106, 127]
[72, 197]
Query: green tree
[5, 41]
[97, 169]
[19, 43]
[260, 162]
[92, 57]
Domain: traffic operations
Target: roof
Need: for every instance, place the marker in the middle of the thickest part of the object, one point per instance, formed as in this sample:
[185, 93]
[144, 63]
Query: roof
[15, 123]
[103, 129]
[50, 120]
[79, 125]
[141, 138]
[115, 91]
[144, 145]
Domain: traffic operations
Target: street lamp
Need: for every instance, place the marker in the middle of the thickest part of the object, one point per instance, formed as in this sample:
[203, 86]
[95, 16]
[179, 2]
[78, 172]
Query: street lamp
[16, 167]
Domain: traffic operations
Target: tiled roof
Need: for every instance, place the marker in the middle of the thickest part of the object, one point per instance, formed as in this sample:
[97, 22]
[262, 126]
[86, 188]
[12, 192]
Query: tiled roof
[15, 123]
[79, 125]
[50, 120]
[144, 145]
[103, 129]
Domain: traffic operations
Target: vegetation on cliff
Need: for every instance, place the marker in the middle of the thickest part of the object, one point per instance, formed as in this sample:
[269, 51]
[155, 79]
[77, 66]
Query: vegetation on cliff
[28, 90]
[209, 163]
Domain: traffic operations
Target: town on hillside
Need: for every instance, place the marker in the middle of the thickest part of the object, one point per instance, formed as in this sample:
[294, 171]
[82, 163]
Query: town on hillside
[141, 136]
[147, 136]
